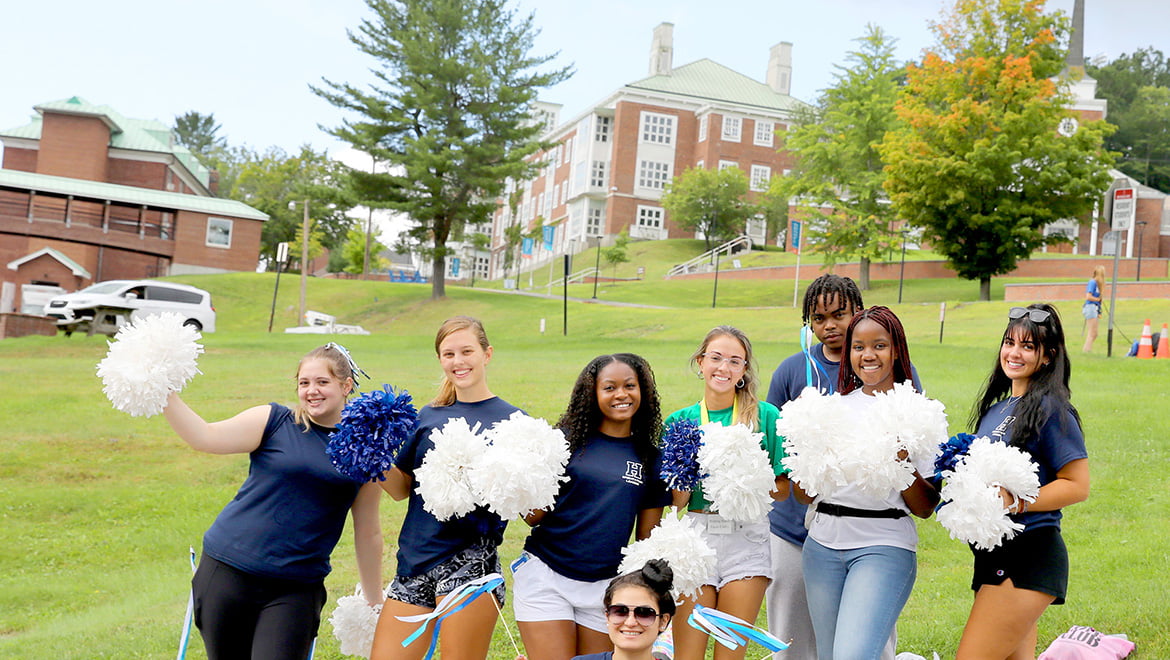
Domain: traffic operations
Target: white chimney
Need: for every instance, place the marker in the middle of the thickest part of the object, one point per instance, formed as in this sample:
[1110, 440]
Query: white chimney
[662, 50]
[780, 68]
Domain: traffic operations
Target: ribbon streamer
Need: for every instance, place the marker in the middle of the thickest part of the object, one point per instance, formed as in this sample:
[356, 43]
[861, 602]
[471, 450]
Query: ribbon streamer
[731, 631]
[451, 604]
[185, 637]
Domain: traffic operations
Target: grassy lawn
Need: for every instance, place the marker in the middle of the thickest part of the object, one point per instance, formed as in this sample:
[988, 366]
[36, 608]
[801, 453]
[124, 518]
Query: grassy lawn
[98, 508]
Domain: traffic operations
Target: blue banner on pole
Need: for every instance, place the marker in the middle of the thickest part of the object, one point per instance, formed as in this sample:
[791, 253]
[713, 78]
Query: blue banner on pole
[795, 246]
[550, 232]
[526, 247]
[455, 267]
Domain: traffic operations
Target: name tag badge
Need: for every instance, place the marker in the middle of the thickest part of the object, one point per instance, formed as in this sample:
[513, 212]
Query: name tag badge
[518, 562]
[717, 525]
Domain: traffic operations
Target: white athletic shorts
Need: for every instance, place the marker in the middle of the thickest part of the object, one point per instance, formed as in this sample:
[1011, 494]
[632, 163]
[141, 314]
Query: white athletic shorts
[541, 594]
[742, 549]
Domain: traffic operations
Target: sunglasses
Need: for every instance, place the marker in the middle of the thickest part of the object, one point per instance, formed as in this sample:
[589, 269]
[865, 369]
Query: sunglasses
[642, 614]
[1034, 315]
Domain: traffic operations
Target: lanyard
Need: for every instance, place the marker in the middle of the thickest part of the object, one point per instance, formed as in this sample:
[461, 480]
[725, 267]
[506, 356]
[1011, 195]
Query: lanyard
[705, 417]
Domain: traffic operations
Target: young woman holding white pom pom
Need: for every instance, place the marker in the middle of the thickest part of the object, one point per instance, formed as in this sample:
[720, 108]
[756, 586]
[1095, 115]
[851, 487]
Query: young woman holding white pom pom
[259, 588]
[638, 607]
[438, 557]
[612, 424]
[859, 558]
[727, 368]
[1025, 403]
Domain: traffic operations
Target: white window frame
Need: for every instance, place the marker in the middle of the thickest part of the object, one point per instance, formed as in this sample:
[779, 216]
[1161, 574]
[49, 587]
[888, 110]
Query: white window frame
[732, 128]
[703, 128]
[598, 173]
[653, 174]
[760, 177]
[724, 164]
[700, 164]
[219, 233]
[594, 220]
[765, 133]
[602, 128]
[656, 128]
[654, 214]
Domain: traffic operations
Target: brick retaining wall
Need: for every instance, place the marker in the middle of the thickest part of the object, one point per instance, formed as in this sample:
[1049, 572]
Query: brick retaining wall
[23, 325]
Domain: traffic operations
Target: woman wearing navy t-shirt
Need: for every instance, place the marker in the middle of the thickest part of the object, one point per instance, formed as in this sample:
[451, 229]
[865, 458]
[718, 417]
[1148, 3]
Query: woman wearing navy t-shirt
[1025, 403]
[437, 557]
[612, 424]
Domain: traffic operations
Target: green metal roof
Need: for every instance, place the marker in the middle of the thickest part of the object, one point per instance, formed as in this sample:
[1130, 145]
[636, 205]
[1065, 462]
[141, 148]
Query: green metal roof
[125, 133]
[712, 82]
[129, 194]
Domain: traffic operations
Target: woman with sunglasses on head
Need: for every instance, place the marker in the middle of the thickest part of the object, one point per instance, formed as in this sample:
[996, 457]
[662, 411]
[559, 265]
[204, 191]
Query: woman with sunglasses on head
[638, 608]
[260, 585]
[1025, 404]
[612, 424]
[438, 557]
[744, 568]
[860, 558]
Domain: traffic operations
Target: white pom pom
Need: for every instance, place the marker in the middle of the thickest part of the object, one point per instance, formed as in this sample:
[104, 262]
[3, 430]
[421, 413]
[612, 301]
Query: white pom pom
[149, 358]
[739, 471]
[522, 468]
[354, 622]
[442, 477]
[973, 510]
[680, 543]
[918, 424]
[812, 426]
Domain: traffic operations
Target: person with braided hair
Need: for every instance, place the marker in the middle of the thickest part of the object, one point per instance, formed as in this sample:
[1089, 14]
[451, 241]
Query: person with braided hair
[612, 423]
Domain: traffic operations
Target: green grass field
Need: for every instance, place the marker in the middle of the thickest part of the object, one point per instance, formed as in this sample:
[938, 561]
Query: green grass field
[99, 509]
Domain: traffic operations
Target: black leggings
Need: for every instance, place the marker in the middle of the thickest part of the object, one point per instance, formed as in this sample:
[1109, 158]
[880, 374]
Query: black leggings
[245, 617]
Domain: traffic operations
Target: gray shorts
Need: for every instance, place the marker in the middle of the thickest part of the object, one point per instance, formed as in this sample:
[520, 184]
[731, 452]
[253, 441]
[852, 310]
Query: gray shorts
[428, 589]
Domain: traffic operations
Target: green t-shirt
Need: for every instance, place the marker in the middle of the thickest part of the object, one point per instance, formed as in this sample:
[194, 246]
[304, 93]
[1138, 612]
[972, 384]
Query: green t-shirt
[767, 415]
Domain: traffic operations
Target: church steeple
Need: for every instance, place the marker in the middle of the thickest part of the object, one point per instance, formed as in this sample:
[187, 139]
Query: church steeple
[1076, 43]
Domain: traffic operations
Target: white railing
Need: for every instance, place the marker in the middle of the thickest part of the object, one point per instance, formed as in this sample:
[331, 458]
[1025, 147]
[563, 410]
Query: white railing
[575, 278]
[706, 262]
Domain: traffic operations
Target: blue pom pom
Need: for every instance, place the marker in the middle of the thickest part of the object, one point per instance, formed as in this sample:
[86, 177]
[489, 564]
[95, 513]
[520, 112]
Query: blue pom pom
[372, 429]
[952, 450]
[680, 455]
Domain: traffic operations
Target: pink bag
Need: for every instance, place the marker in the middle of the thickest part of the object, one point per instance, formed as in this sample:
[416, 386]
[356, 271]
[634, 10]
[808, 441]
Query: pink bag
[1085, 643]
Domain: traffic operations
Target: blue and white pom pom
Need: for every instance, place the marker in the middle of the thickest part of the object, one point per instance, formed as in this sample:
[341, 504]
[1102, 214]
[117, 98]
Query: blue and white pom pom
[739, 473]
[354, 622]
[149, 358]
[951, 451]
[442, 478]
[813, 426]
[522, 468]
[680, 455]
[680, 543]
[372, 429]
[973, 510]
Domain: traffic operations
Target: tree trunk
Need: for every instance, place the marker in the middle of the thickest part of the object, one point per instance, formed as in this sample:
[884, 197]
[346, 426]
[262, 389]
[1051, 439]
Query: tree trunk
[985, 288]
[863, 274]
[439, 274]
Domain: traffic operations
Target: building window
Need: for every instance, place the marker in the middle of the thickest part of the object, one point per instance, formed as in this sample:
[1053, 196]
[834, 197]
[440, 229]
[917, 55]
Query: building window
[724, 164]
[219, 232]
[650, 217]
[761, 175]
[700, 165]
[568, 151]
[703, 128]
[653, 174]
[594, 221]
[657, 129]
[765, 131]
[597, 175]
[601, 132]
[731, 127]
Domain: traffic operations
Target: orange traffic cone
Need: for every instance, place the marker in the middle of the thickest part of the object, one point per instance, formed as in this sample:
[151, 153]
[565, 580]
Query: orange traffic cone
[1146, 344]
[1163, 345]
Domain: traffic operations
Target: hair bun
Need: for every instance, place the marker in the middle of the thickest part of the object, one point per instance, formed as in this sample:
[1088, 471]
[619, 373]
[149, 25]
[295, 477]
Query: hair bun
[658, 575]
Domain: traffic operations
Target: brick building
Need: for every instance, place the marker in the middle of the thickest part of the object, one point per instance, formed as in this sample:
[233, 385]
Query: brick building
[84, 190]
[611, 161]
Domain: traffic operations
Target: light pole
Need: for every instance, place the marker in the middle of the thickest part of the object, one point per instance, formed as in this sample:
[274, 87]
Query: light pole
[597, 267]
[1140, 225]
[902, 271]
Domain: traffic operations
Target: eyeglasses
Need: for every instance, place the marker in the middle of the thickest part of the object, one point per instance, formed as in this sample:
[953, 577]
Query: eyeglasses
[642, 614]
[1034, 315]
[733, 363]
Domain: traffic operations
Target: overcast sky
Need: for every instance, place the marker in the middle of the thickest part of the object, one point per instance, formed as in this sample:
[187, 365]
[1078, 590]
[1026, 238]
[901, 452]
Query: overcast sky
[250, 62]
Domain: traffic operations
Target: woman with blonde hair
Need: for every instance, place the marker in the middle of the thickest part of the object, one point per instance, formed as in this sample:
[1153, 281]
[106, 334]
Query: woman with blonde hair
[1092, 307]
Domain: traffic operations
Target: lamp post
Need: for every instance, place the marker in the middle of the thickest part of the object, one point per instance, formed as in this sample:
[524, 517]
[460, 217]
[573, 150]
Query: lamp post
[902, 271]
[1140, 228]
[597, 267]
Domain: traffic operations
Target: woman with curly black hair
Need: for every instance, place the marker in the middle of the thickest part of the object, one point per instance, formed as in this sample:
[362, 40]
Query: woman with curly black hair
[612, 423]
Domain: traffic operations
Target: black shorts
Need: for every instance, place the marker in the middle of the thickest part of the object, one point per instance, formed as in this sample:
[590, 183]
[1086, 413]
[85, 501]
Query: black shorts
[465, 566]
[1036, 559]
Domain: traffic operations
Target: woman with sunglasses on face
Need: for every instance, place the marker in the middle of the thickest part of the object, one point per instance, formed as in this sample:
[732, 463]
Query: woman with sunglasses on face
[860, 558]
[1025, 404]
[744, 567]
[638, 608]
[612, 424]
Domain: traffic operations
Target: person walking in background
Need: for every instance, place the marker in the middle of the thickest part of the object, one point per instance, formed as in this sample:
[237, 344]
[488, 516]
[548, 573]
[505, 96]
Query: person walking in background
[1091, 310]
[260, 585]
[437, 557]
[612, 423]
[1026, 404]
[727, 368]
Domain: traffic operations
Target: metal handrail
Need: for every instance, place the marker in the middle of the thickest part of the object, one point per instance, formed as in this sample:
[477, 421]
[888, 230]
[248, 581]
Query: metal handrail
[706, 258]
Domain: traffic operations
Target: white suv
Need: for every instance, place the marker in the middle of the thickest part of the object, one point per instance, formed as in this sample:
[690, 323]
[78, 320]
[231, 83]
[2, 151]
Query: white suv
[103, 307]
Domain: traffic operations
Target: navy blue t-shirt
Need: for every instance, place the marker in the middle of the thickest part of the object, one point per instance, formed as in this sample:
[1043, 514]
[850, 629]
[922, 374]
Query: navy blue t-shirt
[1059, 442]
[786, 519]
[608, 655]
[287, 517]
[583, 535]
[426, 541]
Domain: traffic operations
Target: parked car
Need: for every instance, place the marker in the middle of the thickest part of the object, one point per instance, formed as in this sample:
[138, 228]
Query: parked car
[105, 306]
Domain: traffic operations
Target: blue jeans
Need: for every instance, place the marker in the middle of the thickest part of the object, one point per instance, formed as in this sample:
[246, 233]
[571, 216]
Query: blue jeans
[855, 597]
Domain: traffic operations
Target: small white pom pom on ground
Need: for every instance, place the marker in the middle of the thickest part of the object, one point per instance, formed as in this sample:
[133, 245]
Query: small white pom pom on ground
[354, 622]
[740, 475]
[149, 358]
[522, 468]
[973, 511]
[680, 543]
[442, 477]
